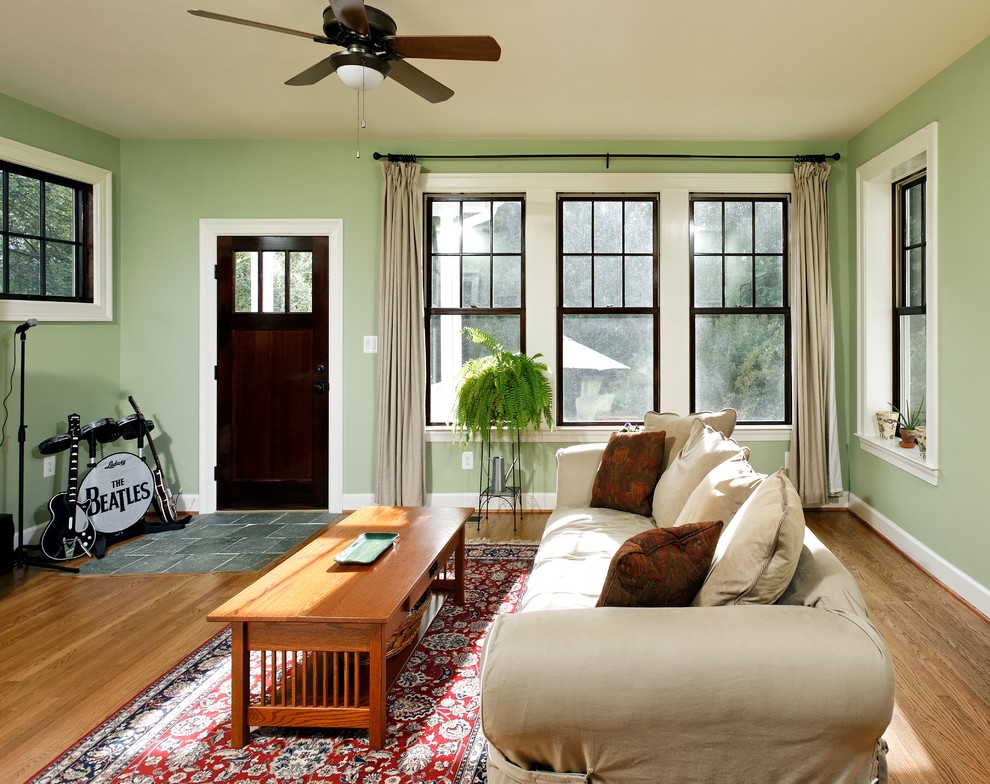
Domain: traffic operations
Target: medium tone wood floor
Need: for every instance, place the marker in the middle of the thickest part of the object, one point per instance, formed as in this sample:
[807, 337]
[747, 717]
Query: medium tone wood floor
[74, 648]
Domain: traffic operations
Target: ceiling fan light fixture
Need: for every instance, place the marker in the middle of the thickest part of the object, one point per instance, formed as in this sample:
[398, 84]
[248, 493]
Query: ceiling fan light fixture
[359, 70]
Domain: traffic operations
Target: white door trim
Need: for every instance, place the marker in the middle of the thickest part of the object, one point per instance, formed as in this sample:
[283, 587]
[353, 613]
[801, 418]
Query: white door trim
[209, 231]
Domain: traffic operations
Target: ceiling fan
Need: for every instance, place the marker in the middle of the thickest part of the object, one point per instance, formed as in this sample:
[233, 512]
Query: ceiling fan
[373, 51]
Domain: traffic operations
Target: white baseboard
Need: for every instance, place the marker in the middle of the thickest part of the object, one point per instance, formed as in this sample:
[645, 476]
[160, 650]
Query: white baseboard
[960, 583]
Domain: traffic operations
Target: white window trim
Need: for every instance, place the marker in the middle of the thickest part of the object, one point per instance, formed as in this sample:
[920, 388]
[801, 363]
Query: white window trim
[540, 191]
[874, 243]
[101, 308]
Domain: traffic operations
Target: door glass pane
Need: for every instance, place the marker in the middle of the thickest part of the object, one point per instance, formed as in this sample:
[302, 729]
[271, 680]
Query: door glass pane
[301, 282]
[476, 227]
[608, 282]
[273, 281]
[738, 227]
[608, 367]
[476, 282]
[450, 348]
[739, 363]
[60, 269]
[245, 282]
[639, 227]
[639, 281]
[59, 212]
[608, 226]
[577, 281]
[507, 282]
[738, 281]
[507, 225]
[577, 227]
[706, 227]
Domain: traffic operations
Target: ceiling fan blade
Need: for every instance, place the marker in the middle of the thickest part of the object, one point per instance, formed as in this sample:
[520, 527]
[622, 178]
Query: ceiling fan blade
[313, 74]
[351, 14]
[446, 47]
[261, 25]
[414, 79]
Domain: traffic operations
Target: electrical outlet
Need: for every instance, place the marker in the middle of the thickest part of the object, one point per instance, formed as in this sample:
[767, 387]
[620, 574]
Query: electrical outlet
[49, 466]
[787, 460]
[467, 460]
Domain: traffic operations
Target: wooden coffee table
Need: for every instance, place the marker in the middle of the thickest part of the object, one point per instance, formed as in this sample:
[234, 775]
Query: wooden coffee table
[323, 628]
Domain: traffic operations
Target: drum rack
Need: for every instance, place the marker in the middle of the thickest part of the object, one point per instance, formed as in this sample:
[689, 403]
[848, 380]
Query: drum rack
[104, 431]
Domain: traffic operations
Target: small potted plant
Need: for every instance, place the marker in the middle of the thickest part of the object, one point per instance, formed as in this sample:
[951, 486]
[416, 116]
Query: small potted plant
[909, 420]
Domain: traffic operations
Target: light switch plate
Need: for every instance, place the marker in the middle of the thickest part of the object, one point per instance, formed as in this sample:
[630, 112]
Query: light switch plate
[371, 344]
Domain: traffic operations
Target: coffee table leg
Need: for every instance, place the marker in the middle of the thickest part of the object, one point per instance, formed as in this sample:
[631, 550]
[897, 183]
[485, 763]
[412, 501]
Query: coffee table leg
[239, 685]
[376, 690]
[459, 569]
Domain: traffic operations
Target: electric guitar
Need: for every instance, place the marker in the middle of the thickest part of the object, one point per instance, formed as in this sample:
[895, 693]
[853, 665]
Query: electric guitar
[163, 500]
[66, 536]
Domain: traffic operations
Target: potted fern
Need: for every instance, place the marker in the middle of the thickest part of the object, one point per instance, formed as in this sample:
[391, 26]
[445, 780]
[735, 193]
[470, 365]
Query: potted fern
[504, 390]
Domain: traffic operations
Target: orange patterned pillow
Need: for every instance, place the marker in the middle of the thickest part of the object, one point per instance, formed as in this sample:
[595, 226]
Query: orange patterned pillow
[665, 567]
[628, 473]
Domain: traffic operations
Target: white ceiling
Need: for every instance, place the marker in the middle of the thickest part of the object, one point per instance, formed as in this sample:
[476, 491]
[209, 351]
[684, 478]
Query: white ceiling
[623, 69]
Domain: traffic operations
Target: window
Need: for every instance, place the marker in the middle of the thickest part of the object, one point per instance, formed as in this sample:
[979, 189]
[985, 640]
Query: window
[910, 344]
[607, 308]
[740, 319]
[476, 272]
[45, 238]
[897, 295]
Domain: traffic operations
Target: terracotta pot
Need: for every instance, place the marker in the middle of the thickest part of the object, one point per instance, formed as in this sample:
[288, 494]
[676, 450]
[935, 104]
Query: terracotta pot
[907, 439]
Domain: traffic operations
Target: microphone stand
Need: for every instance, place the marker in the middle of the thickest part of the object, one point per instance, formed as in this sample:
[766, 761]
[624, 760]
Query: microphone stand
[21, 557]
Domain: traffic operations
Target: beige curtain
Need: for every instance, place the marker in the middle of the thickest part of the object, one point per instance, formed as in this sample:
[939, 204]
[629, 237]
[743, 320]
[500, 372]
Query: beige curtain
[400, 478]
[815, 467]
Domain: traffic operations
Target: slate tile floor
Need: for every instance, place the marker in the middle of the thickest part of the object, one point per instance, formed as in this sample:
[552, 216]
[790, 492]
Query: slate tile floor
[221, 542]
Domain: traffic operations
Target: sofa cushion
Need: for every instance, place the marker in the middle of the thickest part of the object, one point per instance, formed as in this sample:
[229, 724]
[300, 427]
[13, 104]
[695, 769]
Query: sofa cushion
[678, 428]
[705, 449]
[664, 567]
[628, 472]
[720, 494]
[574, 556]
[759, 550]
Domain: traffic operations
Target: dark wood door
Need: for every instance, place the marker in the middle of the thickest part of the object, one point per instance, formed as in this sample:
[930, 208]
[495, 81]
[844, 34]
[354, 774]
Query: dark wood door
[272, 372]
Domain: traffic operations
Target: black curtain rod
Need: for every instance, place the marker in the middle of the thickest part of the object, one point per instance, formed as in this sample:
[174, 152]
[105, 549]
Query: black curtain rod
[607, 157]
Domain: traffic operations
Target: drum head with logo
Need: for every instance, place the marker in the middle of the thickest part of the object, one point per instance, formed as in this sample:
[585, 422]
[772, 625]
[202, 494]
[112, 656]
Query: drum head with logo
[116, 492]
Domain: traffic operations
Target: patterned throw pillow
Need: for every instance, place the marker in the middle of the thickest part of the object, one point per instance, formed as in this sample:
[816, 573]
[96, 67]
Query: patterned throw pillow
[628, 473]
[661, 568]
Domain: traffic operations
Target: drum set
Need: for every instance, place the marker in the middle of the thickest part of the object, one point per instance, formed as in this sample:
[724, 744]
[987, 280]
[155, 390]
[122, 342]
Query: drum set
[118, 488]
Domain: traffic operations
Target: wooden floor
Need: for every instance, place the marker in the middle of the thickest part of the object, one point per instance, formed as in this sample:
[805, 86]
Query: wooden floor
[74, 648]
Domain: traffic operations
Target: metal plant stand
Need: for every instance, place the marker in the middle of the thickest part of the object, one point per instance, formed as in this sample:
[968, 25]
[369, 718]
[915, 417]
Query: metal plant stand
[500, 480]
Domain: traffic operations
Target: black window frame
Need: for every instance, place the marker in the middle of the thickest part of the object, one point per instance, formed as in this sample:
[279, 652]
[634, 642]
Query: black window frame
[900, 280]
[81, 244]
[783, 310]
[562, 311]
[429, 310]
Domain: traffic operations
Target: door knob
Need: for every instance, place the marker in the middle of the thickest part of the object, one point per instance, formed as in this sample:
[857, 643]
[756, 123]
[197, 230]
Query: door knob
[320, 386]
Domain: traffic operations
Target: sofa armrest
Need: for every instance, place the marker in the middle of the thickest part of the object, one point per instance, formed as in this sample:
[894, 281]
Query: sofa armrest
[771, 693]
[576, 470]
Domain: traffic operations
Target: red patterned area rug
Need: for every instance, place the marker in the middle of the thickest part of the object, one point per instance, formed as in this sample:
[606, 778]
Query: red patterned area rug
[177, 731]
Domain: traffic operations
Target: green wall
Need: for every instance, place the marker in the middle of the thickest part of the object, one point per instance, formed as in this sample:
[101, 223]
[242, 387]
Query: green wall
[948, 518]
[69, 368]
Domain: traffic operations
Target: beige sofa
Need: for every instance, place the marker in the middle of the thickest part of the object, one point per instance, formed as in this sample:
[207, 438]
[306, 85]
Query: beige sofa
[794, 692]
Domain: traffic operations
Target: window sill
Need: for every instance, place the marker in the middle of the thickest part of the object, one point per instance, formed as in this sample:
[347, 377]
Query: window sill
[599, 434]
[909, 460]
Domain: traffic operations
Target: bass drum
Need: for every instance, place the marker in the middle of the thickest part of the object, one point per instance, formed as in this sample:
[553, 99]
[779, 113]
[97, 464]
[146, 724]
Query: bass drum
[116, 492]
